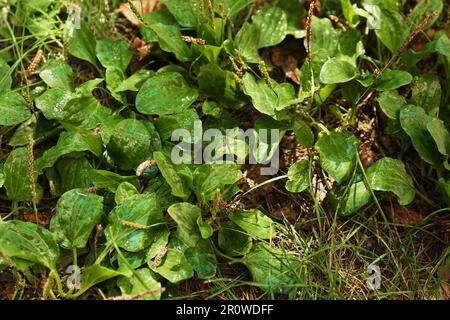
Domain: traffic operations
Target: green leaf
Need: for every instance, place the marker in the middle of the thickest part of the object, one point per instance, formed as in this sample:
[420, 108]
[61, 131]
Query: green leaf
[426, 93]
[5, 78]
[163, 192]
[141, 210]
[129, 144]
[169, 39]
[169, 172]
[303, 134]
[389, 174]
[135, 82]
[69, 142]
[124, 191]
[130, 260]
[337, 70]
[57, 74]
[174, 266]
[391, 102]
[79, 108]
[392, 30]
[350, 14]
[202, 258]
[338, 154]
[210, 178]
[424, 9]
[143, 280]
[233, 7]
[161, 238]
[92, 275]
[255, 223]
[74, 173]
[414, 121]
[440, 135]
[324, 45]
[83, 43]
[26, 241]
[165, 93]
[113, 54]
[13, 109]
[103, 179]
[358, 196]
[443, 45]
[114, 77]
[206, 230]
[186, 12]
[217, 83]
[185, 119]
[299, 177]
[264, 99]
[161, 16]
[2, 176]
[273, 270]
[393, 79]
[186, 215]
[268, 28]
[77, 213]
[16, 180]
[233, 240]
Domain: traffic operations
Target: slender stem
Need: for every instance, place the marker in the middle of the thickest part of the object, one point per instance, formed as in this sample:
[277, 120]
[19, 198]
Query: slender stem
[75, 256]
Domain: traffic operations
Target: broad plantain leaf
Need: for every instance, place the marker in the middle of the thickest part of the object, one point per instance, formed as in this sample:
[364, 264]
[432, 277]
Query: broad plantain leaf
[391, 103]
[426, 93]
[299, 176]
[337, 70]
[143, 280]
[338, 154]
[273, 270]
[82, 45]
[29, 242]
[389, 174]
[165, 93]
[57, 74]
[124, 191]
[108, 180]
[129, 144]
[13, 109]
[254, 223]
[113, 54]
[174, 266]
[15, 171]
[268, 28]
[414, 121]
[172, 176]
[202, 258]
[211, 178]
[233, 240]
[77, 213]
[132, 222]
[393, 79]
[186, 215]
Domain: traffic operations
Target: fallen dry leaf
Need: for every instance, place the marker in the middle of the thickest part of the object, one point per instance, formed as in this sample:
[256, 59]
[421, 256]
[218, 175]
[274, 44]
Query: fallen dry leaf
[287, 63]
[141, 47]
[142, 6]
[405, 216]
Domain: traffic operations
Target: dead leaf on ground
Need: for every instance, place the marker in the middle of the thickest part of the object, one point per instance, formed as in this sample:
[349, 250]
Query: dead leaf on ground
[44, 218]
[405, 216]
[141, 47]
[142, 6]
[287, 63]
